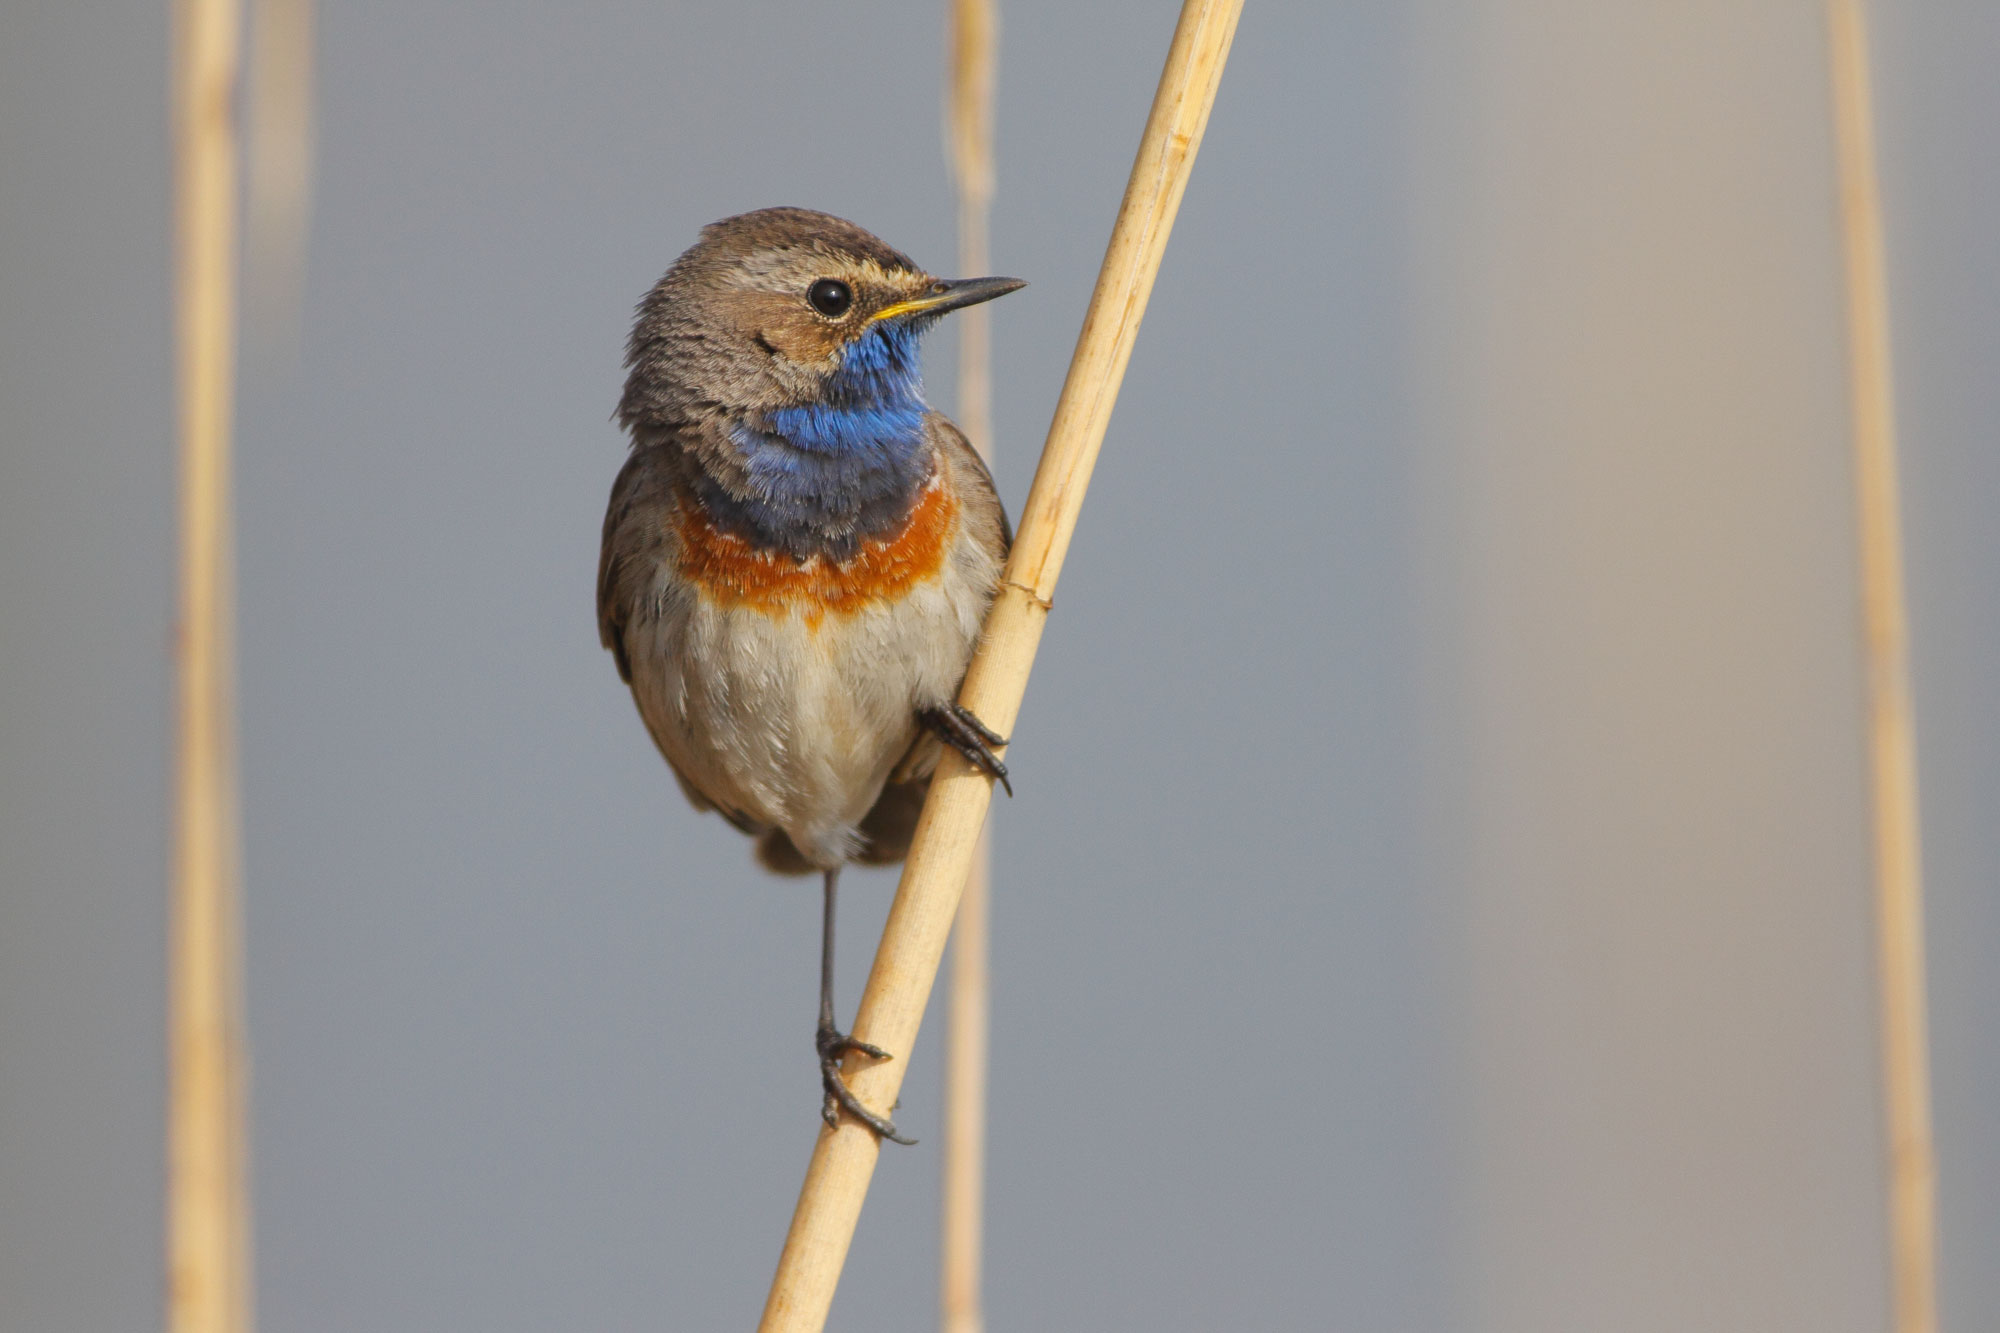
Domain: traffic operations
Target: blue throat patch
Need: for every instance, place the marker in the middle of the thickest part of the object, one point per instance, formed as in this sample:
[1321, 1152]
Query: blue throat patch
[827, 474]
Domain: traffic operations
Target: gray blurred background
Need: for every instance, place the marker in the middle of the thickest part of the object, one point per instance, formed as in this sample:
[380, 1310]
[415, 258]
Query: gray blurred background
[1435, 898]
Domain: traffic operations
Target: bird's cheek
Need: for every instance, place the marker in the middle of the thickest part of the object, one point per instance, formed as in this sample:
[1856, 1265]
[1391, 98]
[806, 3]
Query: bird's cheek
[801, 343]
[801, 371]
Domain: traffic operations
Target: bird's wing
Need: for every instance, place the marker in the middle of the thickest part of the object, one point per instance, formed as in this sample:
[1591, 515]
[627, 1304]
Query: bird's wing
[888, 827]
[637, 541]
[972, 482]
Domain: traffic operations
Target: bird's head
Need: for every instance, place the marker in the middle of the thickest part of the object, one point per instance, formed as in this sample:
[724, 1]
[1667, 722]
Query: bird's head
[786, 311]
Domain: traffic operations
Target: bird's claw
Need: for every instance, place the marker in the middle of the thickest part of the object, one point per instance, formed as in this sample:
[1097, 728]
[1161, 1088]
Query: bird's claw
[962, 730]
[831, 1043]
[832, 1046]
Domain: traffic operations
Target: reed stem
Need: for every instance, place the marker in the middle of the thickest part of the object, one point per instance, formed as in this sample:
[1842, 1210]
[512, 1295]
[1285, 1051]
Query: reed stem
[278, 211]
[208, 1239]
[920, 918]
[1899, 892]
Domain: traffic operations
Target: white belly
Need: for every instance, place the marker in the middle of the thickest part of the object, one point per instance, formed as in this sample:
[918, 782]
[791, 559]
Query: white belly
[793, 724]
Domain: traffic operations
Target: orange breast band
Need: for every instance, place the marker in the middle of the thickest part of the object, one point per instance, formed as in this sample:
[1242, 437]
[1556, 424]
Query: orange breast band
[730, 571]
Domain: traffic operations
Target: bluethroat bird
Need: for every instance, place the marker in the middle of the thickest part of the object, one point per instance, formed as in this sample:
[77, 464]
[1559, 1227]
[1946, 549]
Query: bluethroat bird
[799, 552]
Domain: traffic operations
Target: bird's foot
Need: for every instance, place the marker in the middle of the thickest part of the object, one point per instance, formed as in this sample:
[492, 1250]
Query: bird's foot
[833, 1044]
[965, 733]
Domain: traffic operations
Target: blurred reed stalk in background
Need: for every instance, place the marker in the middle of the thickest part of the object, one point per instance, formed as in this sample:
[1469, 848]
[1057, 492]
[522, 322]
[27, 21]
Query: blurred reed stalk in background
[920, 918]
[279, 211]
[208, 1234]
[972, 46]
[1899, 891]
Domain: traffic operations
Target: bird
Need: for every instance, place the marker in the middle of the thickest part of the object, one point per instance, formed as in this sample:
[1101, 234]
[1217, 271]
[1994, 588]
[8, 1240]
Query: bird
[799, 553]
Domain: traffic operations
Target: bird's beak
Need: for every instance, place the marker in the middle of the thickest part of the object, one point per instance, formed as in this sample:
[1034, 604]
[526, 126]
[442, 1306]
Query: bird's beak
[950, 295]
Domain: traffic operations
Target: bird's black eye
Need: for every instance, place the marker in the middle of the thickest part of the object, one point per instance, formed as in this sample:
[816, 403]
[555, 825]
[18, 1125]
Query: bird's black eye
[831, 297]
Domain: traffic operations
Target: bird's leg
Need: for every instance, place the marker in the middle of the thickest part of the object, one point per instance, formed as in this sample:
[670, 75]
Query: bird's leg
[965, 733]
[832, 1043]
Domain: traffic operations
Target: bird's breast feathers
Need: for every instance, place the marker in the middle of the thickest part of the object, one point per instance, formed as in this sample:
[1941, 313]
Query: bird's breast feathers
[728, 570]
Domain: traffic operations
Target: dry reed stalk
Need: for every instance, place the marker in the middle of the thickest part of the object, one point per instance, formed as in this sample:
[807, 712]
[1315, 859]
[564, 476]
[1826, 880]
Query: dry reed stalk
[920, 919]
[208, 1288]
[1899, 892]
[974, 48]
[962, 1239]
[280, 184]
